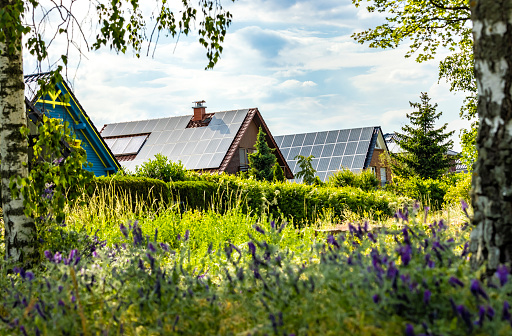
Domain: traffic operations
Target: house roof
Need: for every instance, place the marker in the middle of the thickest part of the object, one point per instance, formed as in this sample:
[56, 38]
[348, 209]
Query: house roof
[332, 150]
[211, 147]
[82, 122]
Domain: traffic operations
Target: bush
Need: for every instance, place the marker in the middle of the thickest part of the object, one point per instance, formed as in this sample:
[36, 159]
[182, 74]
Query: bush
[427, 191]
[162, 169]
[459, 189]
[366, 180]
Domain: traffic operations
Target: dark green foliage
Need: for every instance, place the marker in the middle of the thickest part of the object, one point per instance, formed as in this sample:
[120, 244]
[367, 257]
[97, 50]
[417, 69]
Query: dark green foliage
[424, 146]
[278, 173]
[162, 169]
[430, 192]
[306, 172]
[366, 180]
[262, 160]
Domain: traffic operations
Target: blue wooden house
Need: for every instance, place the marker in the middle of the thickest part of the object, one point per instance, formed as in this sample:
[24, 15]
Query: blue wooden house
[63, 104]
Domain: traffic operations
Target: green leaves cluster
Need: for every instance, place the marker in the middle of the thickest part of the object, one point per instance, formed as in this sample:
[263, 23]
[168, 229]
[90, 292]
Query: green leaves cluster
[56, 172]
[306, 172]
[162, 169]
[424, 147]
[365, 180]
[262, 160]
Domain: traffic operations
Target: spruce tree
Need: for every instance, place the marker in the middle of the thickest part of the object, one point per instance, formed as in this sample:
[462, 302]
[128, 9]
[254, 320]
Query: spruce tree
[262, 160]
[424, 147]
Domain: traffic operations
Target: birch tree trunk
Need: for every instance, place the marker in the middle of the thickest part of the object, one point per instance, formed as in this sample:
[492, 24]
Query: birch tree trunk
[491, 239]
[20, 231]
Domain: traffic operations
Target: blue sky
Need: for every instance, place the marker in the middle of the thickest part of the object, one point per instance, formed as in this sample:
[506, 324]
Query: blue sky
[293, 60]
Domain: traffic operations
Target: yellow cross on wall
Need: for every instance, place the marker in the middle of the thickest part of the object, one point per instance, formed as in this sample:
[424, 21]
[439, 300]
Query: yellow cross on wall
[54, 101]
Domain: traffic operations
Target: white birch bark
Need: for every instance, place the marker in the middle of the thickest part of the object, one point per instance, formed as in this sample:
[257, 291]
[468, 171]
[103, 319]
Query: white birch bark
[491, 239]
[20, 231]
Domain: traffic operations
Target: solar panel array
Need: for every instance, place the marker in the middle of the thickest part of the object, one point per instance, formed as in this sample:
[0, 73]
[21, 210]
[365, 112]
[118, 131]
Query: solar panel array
[331, 150]
[126, 145]
[196, 148]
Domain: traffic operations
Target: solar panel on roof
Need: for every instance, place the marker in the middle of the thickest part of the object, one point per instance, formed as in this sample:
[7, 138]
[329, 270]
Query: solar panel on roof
[212, 146]
[240, 116]
[167, 149]
[294, 151]
[182, 122]
[317, 150]
[220, 131]
[216, 121]
[366, 133]
[224, 145]
[161, 124]
[306, 151]
[358, 161]
[362, 147]
[119, 146]
[227, 117]
[193, 161]
[332, 136]
[355, 134]
[322, 175]
[135, 144]
[339, 149]
[216, 160]
[204, 161]
[150, 125]
[335, 163]
[186, 135]
[346, 162]
[106, 130]
[320, 138]
[343, 135]
[351, 148]
[327, 151]
[128, 129]
[287, 141]
[110, 142]
[309, 139]
[144, 151]
[329, 174]
[323, 164]
[278, 140]
[298, 140]
[178, 148]
[314, 163]
[153, 138]
[285, 152]
[201, 146]
[292, 165]
[184, 160]
[139, 127]
[189, 148]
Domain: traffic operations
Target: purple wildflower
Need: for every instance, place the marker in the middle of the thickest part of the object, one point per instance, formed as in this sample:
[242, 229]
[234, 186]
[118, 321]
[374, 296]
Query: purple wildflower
[405, 252]
[22, 329]
[48, 255]
[61, 303]
[392, 271]
[281, 228]
[164, 247]
[502, 274]
[490, 313]
[372, 237]
[73, 298]
[465, 250]
[272, 225]
[259, 229]
[29, 276]
[186, 236]
[409, 330]
[151, 248]
[455, 282]
[464, 207]
[477, 290]
[506, 313]
[481, 316]
[426, 296]
[40, 311]
[124, 231]
[465, 315]
[376, 298]
[95, 254]
[426, 214]
[405, 233]
[252, 248]
[331, 240]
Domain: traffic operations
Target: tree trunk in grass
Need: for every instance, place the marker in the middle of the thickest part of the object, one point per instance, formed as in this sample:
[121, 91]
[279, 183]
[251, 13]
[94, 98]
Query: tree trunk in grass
[20, 231]
[491, 239]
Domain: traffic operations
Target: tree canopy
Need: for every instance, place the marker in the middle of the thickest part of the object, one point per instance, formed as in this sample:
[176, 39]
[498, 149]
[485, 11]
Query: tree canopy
[262, 161]
[424, 147]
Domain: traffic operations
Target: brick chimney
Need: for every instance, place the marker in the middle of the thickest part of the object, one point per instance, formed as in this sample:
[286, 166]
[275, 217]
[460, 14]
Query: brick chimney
[199, 110]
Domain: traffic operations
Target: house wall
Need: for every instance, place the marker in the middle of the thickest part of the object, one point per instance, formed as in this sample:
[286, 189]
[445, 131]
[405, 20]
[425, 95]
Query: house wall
[377, 164]
[248, 140]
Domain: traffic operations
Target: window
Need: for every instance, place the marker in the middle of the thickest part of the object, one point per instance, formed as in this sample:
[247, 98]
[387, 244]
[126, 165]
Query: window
[126, 145]
[383, 177]
[244, 159]
[374, 170]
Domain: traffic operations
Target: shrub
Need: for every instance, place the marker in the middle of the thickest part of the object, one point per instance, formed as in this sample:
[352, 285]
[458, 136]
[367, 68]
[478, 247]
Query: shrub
[162, 169]
[366, 180]
[427, 191]
[278, 173]
[459, 189]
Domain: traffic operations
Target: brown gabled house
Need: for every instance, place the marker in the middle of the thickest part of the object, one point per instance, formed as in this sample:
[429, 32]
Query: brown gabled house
[214, 142]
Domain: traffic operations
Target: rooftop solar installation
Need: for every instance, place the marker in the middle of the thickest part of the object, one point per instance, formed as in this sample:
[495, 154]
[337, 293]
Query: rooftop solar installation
[197, 148]
[332, 150]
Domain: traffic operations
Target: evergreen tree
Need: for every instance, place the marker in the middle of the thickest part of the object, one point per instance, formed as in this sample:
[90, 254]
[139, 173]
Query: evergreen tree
[262, 160]
[278, 173]
[424, 147]
[307, 173]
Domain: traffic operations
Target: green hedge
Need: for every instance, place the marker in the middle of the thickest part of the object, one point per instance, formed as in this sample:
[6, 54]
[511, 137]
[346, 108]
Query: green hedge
[297, 202]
